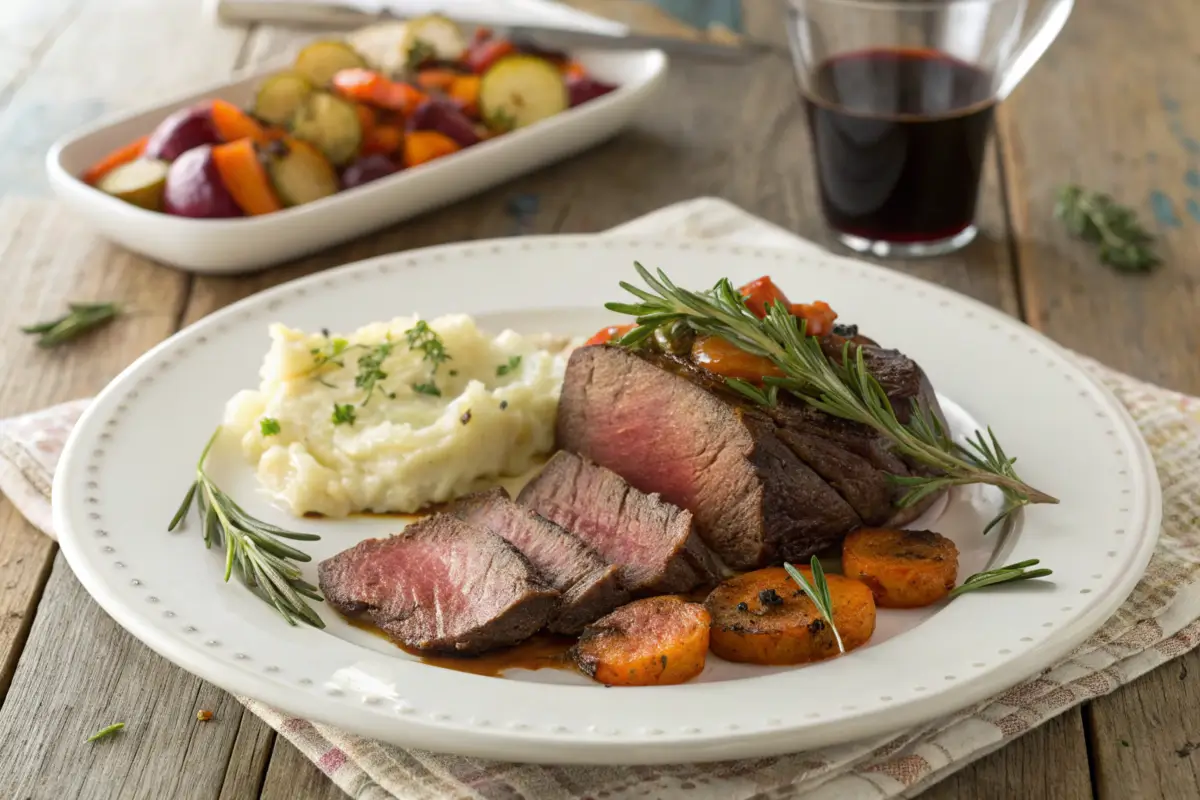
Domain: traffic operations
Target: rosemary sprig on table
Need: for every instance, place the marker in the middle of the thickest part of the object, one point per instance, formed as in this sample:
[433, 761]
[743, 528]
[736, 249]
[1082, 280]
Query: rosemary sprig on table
[1097, 218]
[80, 318]
[252, 547]
[818, 592]
[846, 390]
[108, 730]
[1008, 574]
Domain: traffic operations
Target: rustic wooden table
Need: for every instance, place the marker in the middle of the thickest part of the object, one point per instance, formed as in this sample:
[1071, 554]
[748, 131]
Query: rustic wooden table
[1112, 106]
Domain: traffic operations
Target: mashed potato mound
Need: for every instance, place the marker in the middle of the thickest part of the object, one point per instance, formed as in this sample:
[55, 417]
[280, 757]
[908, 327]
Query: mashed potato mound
[405, 448]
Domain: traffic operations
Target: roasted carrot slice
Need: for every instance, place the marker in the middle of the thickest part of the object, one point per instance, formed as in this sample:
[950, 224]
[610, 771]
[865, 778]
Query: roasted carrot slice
[717, 355]
[367, 118]
[244, 176]
[423, 146]
[763, 617]
[436, 80]
[465, 89]
[372, 88]
[653, 642]
[606, 335]
[232, 123]
[480, 57]
[119, 157]
[905, 569]
[385, 139]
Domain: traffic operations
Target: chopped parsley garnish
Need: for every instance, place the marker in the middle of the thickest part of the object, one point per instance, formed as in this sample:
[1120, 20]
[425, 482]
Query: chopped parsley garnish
[512, 364]
[343, 413]
[269, 426]
[422, 338]
[329, 353]
[370, 368]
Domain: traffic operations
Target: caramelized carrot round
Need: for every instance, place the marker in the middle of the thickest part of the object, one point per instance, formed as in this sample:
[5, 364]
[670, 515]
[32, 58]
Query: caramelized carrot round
[763, 617]
[717, 355]
[606, 335]
[653, 642]
[905, 569]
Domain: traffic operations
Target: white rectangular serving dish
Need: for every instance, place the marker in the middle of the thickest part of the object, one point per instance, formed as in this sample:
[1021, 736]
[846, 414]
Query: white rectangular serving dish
[216, 246]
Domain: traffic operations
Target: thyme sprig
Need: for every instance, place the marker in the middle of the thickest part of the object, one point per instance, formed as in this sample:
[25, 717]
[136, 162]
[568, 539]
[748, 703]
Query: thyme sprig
[1013, 572]
[252, 547]
[422, 338]
[107, 730]
[846, 390]
[818, 592]
[1097, 218]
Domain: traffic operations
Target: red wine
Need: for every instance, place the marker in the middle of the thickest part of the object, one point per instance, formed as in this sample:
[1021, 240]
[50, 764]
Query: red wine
[899, 138]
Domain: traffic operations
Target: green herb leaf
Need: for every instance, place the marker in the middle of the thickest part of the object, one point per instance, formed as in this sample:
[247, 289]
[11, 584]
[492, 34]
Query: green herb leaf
[1096, 218]
[370, 369]
[344, 414]
[504, 369]
[1013, 572]
[269, 426]
[81, 318]
[842, 388]
[427, 388]
[252, 547]
[818, 592]
[108, 731]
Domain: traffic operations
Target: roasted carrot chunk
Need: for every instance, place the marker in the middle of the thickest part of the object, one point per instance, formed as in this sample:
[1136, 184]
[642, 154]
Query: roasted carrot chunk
[232, 123]
[653, 642]
[717, 355]
[423, 146]
[244, 176]
[372, 88]
[385, 139]
[573, 69]
[436, 80]
[610, 333]
[763, 617]
[760, 293]
[465, 90]
[117, 158]
[905, 569]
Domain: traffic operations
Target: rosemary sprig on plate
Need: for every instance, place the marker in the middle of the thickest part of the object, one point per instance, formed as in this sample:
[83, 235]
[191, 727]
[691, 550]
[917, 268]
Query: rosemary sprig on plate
[1013, 572]
[80, 318]
[846, 390]
[818, 592]
[252, 547]
[1097, 218]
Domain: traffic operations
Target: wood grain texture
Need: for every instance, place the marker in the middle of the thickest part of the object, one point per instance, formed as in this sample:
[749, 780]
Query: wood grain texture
[292, 776]
[1048, 763]
[1145, 738]
[1113, 107]
[81, 672]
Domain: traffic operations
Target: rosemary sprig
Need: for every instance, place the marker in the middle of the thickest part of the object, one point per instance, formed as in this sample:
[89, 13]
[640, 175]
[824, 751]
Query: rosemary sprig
[106, 731]
[1097, 218]
[846, 390]
[252, 548]
[80, 318]
[818, 592]
[1013, 572]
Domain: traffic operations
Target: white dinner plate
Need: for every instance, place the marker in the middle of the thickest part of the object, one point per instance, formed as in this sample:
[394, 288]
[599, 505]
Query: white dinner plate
[214, 246]
[131, 458]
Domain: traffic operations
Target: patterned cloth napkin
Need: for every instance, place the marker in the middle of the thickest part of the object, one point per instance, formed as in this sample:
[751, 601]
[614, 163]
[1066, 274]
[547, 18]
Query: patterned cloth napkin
[1159, 621]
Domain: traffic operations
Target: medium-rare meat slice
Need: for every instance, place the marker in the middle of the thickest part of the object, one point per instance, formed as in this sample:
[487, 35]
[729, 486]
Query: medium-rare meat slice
[762, 484]
[441, 586]
[651, 541]
[590, 586]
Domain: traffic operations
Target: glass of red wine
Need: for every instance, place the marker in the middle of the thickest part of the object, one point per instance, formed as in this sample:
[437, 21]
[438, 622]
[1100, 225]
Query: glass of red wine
[899, 96]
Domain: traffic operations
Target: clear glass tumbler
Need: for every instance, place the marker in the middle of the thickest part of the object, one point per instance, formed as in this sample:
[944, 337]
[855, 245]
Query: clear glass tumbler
[899, 97]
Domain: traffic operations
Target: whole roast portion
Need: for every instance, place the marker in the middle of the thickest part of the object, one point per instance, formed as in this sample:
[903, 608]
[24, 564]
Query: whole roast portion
[763, 485]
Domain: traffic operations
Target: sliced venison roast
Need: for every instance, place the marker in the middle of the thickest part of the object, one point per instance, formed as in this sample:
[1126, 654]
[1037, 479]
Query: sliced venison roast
[590, 586]
[652, 541]
[441, 586]
[764, 484]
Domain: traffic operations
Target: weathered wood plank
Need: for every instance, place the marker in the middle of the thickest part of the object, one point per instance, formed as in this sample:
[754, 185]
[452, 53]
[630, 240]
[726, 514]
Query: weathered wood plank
[1048, 763]
[112, 55]
[249, 759]
[1132, 129]
[82, 672]
[291, 775]
[49, 258]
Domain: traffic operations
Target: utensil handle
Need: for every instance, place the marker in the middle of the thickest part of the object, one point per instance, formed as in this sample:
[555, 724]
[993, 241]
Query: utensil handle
[1049, 24]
